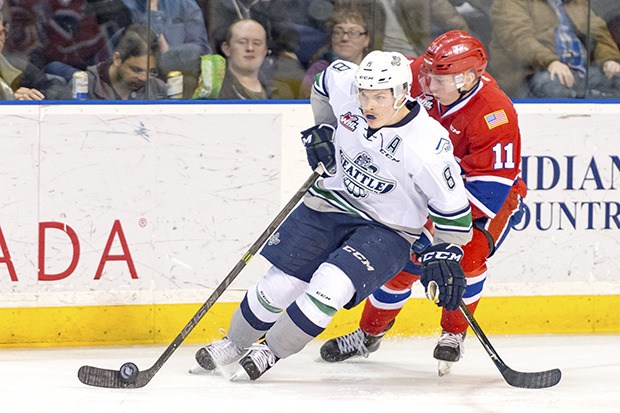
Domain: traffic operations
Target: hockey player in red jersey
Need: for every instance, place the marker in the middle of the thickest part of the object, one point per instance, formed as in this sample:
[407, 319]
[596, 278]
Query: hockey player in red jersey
[455, 89]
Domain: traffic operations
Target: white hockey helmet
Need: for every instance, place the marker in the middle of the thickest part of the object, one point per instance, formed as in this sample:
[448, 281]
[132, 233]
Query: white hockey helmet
[385, 70]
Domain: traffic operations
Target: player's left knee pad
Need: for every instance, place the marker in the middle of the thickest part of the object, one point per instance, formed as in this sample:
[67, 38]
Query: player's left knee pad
[273, 293]
[328, 291]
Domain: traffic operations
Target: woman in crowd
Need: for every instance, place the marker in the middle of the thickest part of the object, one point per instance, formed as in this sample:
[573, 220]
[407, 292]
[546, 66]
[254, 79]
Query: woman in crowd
[349, 40]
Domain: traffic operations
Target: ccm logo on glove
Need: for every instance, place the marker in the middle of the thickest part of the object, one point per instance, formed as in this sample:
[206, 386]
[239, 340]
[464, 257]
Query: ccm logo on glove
[443, 255]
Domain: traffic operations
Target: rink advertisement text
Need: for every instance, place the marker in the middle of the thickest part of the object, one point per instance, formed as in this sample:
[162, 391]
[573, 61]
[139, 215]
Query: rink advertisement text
[571, 192]
[73, 246]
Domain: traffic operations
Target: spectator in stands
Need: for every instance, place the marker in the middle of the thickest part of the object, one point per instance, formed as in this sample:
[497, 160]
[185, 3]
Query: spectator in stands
[350, 39]
[111, 15]
[245, 49]
[410, 24]
[25, 40]
[181, 33]
[306, 18]
[131, 72]
[71, 35]
[476, 14]
[610, 12]
[540, 49]
[282, 65]
[22, 80]
[175, 22]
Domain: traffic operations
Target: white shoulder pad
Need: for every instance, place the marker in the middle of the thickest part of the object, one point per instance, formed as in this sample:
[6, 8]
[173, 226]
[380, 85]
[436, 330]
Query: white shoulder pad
[337, 78]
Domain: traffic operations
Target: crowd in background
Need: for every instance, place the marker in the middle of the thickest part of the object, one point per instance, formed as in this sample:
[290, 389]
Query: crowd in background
[272, 49]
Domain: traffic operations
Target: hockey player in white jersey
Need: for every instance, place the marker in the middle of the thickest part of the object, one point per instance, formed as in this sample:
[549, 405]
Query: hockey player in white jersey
[387, 167]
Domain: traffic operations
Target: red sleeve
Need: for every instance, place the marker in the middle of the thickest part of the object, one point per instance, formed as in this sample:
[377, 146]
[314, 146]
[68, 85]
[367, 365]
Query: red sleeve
[415, 70]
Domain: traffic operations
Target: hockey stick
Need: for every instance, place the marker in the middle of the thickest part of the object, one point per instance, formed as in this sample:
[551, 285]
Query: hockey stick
[533, 380]
[128, 376]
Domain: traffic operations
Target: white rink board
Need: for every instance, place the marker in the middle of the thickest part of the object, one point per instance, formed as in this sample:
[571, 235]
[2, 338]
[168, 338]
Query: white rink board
[574, 248]
[192, 186]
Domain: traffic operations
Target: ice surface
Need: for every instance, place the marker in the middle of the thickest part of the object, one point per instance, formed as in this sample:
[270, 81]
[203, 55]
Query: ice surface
[400, 377]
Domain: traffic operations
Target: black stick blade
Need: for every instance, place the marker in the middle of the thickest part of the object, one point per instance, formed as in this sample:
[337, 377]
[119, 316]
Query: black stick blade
[537, 380]
[111, 379]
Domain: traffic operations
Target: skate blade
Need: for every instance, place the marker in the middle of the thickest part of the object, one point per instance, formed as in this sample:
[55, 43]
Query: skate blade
[238, 375]
[197, 369]
[223, 370]
[444, 367]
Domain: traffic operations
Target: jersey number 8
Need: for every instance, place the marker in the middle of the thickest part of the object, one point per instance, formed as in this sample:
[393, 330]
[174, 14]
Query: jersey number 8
[447, 175]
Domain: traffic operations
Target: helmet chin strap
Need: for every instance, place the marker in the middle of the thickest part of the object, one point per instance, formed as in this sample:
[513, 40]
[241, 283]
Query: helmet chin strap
[394, 112]
[404, 95]
[387, 122]
[396, 108]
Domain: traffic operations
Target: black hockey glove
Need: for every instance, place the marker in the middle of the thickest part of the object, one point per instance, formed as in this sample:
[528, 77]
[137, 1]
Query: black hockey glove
[319, 142]
[441, 265]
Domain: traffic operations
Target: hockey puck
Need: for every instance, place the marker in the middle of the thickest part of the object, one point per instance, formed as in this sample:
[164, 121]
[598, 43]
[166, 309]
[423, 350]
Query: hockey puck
[128, 372]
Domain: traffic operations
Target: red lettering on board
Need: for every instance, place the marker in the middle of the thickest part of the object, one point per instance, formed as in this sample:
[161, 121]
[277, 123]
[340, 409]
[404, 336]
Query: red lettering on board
[6, 257]
[126, 256]
[75, 243]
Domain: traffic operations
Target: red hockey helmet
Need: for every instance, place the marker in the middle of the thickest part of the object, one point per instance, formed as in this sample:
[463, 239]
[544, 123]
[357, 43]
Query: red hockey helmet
[455, 52]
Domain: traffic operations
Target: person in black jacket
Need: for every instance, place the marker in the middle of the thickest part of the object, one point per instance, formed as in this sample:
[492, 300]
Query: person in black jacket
[25, 80]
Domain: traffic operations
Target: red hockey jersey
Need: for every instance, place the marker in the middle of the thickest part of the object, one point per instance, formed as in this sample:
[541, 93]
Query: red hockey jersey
[485, 133]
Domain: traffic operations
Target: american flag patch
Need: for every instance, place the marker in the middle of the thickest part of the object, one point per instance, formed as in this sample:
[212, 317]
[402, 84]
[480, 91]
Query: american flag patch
[496, 118]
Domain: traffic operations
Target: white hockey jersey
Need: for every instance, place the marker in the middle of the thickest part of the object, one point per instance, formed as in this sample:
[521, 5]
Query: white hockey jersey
[399, 175]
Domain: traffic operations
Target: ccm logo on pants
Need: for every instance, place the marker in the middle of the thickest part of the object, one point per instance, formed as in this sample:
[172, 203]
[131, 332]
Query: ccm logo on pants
[359, 256]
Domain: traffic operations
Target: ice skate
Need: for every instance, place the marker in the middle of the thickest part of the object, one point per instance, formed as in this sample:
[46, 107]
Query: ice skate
[449, 349]
[255, 363]
[350, 345]
[219, 353]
